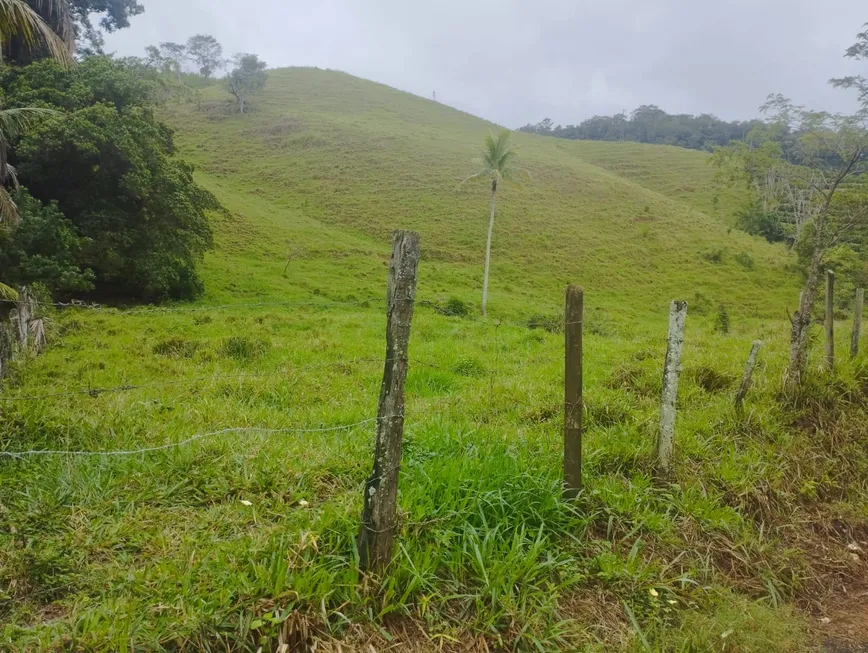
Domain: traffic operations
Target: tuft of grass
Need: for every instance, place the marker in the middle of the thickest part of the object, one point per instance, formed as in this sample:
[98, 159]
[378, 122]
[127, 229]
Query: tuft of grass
[176, 347]
[243, 348]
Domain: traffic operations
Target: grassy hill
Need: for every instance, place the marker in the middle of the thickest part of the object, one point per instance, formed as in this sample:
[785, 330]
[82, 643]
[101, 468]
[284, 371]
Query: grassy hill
[244, 538]
[325, 154]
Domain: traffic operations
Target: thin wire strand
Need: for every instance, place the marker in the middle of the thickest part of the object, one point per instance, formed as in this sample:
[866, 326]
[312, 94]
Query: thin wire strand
[194, 438]
[96, 392]
[188, 309]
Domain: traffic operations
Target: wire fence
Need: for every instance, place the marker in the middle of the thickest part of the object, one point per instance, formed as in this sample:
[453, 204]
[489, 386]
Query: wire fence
[194, 438]
[95, 392]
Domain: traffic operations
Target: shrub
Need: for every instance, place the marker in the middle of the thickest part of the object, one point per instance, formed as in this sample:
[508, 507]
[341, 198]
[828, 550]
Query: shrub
[757, 222]
[176, 348]
[44, 248]
[713, 255]
[109, 165]
[453, 307]
[550, 323]
[745, 260]
[243, 348]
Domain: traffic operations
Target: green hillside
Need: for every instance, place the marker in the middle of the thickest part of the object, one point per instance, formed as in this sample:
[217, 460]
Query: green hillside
[234, 530]
[324, 153]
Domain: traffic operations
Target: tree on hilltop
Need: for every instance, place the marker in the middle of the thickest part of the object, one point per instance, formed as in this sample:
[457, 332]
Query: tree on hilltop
[207, 52]
[247, 78]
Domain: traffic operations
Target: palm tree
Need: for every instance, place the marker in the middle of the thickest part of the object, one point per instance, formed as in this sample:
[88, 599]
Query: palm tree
[498, 163]
[20, 20]
[38, 23]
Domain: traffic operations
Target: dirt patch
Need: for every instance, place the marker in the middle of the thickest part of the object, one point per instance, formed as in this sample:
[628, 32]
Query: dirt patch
[843, 626]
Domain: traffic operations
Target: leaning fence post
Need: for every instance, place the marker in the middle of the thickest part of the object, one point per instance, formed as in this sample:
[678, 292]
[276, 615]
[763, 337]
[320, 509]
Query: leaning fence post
[573, 392]
[748, 373]
[830, 319]
[377, 532]
[671, 373]
[857, 322]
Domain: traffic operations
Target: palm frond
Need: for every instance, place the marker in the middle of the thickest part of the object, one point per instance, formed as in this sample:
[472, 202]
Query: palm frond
[12, 174]
[8, 208]
[17, 18]
[61, 19]
[8, 293]
[14, 122]
[499, 155]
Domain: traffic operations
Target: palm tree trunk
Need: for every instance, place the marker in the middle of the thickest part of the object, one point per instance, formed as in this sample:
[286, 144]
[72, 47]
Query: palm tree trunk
[488, 249]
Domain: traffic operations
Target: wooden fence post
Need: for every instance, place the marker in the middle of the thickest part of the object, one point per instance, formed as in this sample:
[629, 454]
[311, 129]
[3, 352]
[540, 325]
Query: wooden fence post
[748, 374]
[830, 319]
[573, 404]
[24, 308]
[377, 532]
[671, 374]
[857, 322]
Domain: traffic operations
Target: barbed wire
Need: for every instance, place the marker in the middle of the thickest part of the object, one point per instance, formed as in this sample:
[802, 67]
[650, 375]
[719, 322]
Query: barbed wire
[191, 439]
[370, 302]
[189, 309]
[97, 392]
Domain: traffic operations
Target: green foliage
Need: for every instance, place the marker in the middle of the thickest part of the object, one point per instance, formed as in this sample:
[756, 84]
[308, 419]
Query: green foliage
[650, 124]
[44, 247]
[247, 78]
[206, 52]
[109, 166]
[551, 323]
[714, 255]
[757, 222]
[453, 307]
[745, 260]
[243, 348]
[497, 158]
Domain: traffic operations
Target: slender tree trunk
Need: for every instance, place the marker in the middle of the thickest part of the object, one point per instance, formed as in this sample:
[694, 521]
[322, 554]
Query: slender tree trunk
[241, 104]
[488, 248]
[802, 318]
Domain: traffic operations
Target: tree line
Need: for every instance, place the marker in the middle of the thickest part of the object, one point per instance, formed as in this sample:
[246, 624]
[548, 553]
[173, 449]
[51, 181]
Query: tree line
[650, 124]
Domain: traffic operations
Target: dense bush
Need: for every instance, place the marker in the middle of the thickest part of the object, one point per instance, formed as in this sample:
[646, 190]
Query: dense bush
[108, 165]
[44, 248]
[754, 220]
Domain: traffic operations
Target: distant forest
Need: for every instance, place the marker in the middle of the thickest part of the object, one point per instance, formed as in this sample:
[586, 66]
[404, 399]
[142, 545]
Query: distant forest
[650, 124]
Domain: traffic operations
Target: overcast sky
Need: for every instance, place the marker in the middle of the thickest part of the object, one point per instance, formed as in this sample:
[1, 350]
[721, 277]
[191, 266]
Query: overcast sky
[518, 61]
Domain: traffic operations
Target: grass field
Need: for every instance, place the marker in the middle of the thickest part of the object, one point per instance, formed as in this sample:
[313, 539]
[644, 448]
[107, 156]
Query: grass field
[243, 539]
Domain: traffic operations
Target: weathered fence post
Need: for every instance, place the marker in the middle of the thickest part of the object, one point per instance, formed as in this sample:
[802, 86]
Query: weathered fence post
[25, 312]
[671, 373]
[573, 392]
[377, 532]
[857, 322]
[748, 373]
[830, 319]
